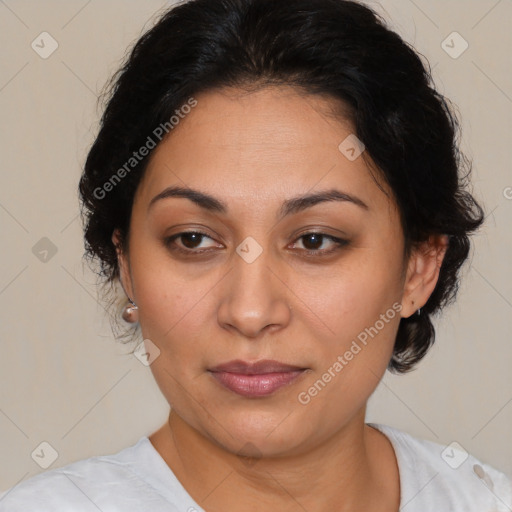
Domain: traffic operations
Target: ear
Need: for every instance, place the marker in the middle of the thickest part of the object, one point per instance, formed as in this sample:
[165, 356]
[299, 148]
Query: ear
[124, 265]
[422, 273]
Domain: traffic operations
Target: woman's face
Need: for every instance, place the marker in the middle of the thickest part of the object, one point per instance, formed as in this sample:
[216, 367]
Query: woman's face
[249, 290]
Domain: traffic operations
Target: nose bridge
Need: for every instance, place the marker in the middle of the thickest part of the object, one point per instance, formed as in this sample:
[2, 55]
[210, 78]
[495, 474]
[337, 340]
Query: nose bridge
[252, 263]
[252, 276]
[254, 297]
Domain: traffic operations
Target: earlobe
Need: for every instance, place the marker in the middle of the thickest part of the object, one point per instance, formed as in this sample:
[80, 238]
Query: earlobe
[423, 273]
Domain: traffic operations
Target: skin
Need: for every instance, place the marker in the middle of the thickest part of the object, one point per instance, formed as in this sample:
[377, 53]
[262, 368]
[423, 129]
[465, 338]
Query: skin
[253, 151]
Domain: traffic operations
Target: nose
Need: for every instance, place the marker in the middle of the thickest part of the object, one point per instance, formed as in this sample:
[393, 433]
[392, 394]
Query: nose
[255, 298]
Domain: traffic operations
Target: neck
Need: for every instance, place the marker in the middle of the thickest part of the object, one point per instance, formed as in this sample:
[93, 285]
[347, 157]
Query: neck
[353, 470]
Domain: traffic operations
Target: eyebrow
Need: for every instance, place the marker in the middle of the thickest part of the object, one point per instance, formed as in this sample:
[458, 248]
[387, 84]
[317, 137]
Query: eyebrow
[289, 206]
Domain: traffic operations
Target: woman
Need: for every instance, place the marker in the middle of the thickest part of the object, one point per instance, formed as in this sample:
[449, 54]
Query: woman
[278, 190]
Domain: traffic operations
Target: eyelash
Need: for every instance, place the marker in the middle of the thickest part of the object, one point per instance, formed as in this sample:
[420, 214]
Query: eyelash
[340, 243]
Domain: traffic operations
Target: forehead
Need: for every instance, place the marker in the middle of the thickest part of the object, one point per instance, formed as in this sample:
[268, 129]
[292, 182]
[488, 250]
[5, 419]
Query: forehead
[272, 143]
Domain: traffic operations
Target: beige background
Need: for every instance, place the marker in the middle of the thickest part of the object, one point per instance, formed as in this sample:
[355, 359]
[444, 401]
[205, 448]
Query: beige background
[63, 378]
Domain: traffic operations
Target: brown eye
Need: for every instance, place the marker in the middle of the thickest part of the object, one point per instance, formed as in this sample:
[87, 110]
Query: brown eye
[189, 242]
[313, 242]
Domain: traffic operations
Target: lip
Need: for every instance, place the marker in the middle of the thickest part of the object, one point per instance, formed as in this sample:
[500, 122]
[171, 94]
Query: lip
[257, 368]
[258, 379]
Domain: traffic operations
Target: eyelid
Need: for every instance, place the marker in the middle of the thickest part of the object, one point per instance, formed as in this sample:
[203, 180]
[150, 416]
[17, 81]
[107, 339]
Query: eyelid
[339, 242]
[170, 239]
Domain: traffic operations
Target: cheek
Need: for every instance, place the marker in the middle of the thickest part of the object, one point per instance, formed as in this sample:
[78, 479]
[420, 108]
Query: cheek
[350, 365]
[175, 306]
[353, 296]
[172, 309]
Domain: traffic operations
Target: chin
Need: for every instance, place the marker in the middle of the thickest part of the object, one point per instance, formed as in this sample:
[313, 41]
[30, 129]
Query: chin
[258, 434]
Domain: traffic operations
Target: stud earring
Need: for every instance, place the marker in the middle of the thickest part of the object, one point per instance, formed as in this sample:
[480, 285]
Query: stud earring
[130, 312]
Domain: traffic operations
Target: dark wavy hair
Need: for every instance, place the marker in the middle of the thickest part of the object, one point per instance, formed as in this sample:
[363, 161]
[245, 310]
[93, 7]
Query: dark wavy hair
[335, 48]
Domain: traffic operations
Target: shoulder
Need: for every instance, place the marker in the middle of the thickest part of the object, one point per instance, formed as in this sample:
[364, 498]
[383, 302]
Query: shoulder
[439, 477]
[102, 482]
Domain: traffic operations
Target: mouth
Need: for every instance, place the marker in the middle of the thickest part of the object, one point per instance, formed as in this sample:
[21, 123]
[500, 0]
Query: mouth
[258, 379]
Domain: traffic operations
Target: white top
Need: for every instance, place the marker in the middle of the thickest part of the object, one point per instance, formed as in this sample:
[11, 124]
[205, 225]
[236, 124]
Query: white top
[433, 478]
